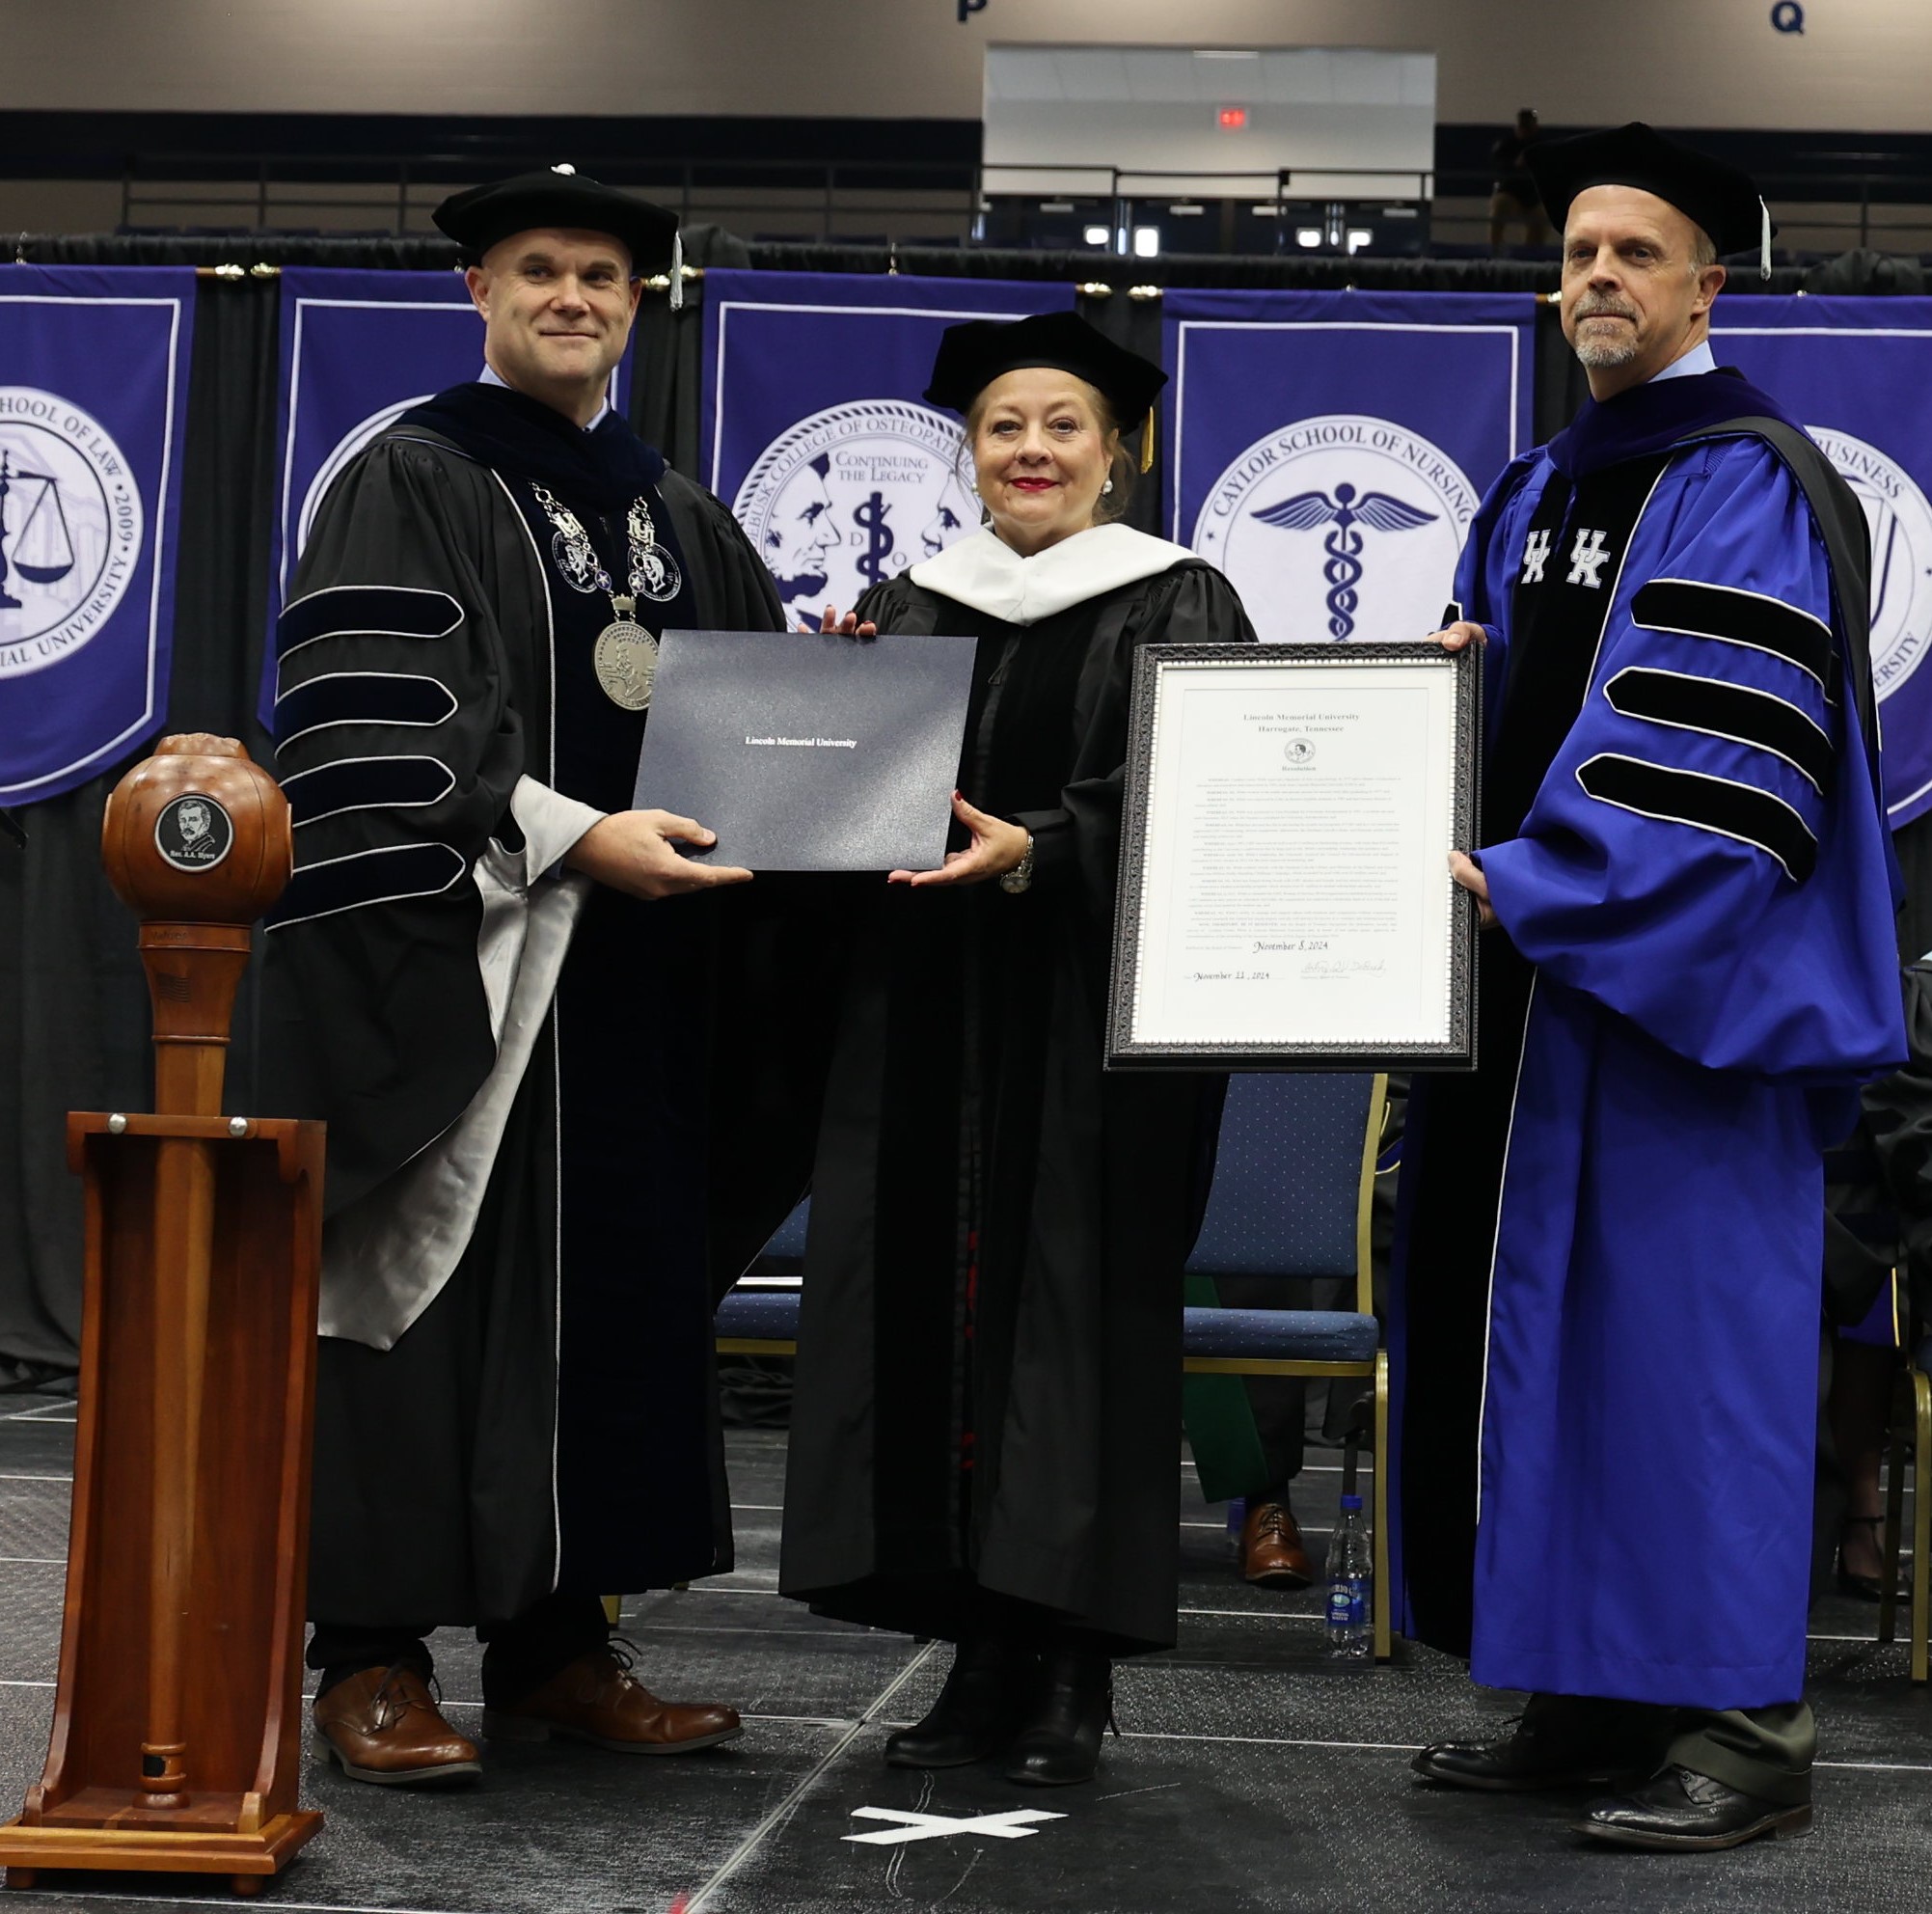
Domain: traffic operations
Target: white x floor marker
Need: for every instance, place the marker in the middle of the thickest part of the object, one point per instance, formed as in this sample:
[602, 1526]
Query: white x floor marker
[1013, 1826]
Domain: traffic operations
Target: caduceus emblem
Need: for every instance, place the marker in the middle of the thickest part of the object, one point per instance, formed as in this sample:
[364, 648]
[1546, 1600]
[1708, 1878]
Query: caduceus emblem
[1347, 513]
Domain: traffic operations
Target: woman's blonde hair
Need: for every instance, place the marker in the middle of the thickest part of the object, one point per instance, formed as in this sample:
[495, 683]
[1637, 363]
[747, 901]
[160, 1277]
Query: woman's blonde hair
[1122, 466]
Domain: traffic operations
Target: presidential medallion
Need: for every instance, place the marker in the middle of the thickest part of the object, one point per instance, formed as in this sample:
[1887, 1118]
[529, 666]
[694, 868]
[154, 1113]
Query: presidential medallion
[626, 661]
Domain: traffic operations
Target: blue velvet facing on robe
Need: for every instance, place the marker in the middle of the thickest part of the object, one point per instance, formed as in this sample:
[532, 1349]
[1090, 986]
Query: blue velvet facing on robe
[1704, 1003]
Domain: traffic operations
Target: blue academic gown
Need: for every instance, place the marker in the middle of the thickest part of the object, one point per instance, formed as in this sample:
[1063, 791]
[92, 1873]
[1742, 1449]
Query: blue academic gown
[1711, 977]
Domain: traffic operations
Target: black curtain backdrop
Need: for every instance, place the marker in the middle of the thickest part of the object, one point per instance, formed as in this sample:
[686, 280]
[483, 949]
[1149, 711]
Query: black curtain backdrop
[73, 1011]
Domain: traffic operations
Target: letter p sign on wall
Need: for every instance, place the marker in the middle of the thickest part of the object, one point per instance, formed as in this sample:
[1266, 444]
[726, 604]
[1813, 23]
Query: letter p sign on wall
[969, 8]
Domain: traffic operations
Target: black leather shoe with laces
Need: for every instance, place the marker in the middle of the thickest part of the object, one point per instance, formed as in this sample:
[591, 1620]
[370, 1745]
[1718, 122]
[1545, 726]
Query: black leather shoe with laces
[1684, 1809]
[979, 1710]
[1523, 1760]
[1060, 1744]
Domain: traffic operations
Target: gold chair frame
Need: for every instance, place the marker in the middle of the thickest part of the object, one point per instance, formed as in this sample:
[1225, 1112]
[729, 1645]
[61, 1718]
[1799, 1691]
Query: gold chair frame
[1910, 1433]
[1375, 1368]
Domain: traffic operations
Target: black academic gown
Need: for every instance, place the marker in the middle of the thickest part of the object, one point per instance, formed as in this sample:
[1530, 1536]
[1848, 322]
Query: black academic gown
[989, 1385]
[548, 1422]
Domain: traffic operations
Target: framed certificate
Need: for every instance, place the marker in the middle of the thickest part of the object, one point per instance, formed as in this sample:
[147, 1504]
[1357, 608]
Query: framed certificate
[1284, 897]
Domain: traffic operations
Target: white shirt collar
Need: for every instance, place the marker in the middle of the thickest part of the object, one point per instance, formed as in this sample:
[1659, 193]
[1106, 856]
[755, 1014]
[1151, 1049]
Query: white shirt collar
[490, 376]
[988, 574]
[1698, 359]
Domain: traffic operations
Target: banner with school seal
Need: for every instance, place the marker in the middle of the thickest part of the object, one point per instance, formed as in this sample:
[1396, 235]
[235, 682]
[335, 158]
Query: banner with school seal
[93, 387]
[1328, 450]
[814, 430]
[358, 351]
[1858, 373]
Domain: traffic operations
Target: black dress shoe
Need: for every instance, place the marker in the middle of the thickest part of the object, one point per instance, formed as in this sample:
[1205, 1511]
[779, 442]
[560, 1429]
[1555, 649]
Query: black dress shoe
[979, 1710]
[1682, 1809]
[1060, 1744]
[1865, 1588]
[1522, 1761]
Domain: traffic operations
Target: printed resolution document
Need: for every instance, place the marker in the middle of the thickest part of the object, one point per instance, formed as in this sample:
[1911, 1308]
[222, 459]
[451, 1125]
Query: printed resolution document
[1295, 888]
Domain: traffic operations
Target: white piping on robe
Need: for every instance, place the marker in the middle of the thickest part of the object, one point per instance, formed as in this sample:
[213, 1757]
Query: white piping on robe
[1502, 1194]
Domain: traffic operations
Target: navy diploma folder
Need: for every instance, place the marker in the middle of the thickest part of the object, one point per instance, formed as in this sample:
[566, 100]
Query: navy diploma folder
[807, 753]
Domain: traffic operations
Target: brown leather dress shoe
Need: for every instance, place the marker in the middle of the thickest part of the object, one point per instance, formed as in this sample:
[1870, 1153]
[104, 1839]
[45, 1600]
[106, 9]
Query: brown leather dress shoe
[384, 1726]
[1271, 1552]
[597, 1699]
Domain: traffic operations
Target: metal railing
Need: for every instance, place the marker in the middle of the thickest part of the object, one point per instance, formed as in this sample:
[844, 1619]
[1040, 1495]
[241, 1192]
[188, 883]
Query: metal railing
[832, 199]
[264, 190]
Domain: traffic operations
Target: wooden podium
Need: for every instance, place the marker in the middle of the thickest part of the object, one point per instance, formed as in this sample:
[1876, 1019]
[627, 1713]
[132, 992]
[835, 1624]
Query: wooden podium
[177, 1743]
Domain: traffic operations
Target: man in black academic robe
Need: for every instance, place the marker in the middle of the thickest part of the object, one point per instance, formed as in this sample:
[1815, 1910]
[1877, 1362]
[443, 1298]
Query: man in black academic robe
[507, 1036]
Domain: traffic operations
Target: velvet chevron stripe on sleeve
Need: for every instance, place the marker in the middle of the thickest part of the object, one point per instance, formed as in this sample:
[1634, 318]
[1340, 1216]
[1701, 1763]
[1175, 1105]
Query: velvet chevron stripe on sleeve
[1717, 805]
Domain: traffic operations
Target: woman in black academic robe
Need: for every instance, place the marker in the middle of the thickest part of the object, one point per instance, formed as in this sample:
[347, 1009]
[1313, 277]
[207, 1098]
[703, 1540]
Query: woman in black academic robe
[988, 1407]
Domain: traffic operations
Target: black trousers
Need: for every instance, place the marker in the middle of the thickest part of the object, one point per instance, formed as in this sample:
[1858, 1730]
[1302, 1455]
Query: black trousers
[519, 1654]
[1764, 1752]
[1279, 1404]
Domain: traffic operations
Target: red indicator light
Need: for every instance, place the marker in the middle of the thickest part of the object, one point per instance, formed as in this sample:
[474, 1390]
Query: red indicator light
[1232, 118]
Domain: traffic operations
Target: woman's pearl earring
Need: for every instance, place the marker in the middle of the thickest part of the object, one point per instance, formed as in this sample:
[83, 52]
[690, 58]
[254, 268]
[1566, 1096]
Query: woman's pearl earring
[1108, 486]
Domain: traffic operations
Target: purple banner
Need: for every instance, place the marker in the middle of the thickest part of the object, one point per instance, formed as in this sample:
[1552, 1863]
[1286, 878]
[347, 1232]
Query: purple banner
[1330, 448]
[93, 365]
[814, 430]
[1857, 373]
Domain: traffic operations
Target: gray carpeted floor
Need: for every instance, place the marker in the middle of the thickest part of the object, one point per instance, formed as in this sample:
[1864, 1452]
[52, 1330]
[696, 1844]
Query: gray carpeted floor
[1254, 1775]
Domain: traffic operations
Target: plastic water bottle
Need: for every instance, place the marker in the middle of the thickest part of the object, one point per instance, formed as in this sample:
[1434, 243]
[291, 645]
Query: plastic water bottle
[1350, 1586]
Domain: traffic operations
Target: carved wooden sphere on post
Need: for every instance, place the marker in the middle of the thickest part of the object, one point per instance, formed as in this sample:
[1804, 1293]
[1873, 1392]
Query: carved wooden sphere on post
[198, 833]
[198, 842]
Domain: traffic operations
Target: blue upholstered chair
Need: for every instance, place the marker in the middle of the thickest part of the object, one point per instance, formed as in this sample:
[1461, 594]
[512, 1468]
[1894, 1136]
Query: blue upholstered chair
[783, 1259]
[1293, 1183]
[1293, 1186]
[759, 1315]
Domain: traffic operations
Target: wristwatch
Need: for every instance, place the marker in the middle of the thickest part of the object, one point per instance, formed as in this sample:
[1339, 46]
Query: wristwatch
[1015, 880]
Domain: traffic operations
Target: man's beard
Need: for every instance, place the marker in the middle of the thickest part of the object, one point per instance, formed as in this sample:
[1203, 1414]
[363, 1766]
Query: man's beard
[1603, 355]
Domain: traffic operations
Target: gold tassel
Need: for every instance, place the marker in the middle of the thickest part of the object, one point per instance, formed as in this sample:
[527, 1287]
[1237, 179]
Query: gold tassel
[1147, 442]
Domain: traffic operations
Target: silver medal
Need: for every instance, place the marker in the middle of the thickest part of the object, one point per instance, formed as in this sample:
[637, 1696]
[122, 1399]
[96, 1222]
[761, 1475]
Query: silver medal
[626, 662]
[577, 562]
[654, 574]
[625, 657]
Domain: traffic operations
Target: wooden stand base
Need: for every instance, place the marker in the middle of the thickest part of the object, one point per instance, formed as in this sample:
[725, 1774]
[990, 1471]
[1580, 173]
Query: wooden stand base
[113, 1838]
[175, 1745]
[177, 1736]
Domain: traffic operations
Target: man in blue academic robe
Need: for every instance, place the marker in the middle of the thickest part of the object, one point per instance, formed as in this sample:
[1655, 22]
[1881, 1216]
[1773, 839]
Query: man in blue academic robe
[1607, 1264]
